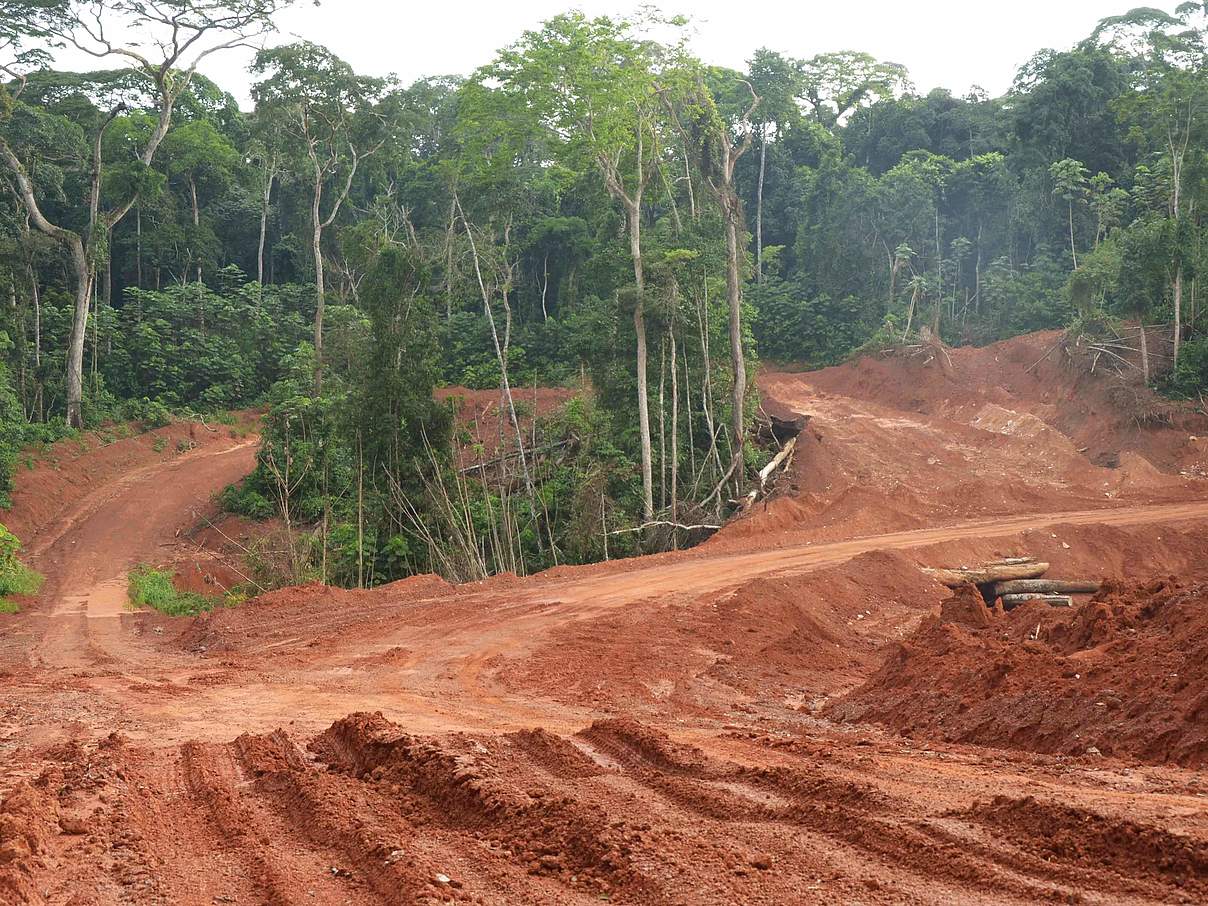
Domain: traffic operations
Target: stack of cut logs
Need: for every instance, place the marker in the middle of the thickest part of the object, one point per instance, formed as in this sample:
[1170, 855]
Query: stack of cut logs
[1016, 580]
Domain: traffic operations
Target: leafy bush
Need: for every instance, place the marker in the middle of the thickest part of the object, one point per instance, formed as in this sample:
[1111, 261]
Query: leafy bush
[245, 500]
[149, 587]
[790, 326]
[1191, 377]
[15, 577]
[151, 414]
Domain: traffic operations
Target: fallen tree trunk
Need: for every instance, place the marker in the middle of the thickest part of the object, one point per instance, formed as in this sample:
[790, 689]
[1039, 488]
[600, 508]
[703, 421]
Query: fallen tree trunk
[779, 460]
[1011, 601]
[1047, 587]
[985, 575]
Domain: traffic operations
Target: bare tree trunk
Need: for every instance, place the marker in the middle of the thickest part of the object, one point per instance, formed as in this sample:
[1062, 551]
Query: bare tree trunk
[37, 295]
[707, 385]
[501, 356]
[449, 263]
[196, 218]
[1144, 353]
[763, 159]
[734, 294]
[893, 280]
[360, 513]
[977, 270]
[1178, 312]
[96, 338]
[1073, 251]
[270, 175]
[914, 298]
[75, 340]
[316, 247]
[688, 407]
[545, 288]
[639, 325]
[138, 229]
[691, 190]
[674, 429]
[662, 425]
[108, 295]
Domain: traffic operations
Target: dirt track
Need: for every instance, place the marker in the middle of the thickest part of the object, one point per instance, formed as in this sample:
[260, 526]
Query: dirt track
[645, 732]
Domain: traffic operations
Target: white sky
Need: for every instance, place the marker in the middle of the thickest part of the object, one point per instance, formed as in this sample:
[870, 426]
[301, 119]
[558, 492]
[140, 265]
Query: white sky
[950, 43]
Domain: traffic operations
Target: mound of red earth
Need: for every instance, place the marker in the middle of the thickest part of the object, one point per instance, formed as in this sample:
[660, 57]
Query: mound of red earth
[1124, 675]
[899, 441]
[1033, 379]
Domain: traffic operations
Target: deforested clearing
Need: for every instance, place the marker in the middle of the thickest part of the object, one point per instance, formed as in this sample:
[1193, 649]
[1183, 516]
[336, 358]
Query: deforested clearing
[603, 476]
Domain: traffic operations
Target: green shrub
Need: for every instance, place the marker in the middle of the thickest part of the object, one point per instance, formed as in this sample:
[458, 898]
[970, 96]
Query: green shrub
[1190, 379]
[149, 587]
[246, 501]
[151, 414]
[159, 444]
[15, 577]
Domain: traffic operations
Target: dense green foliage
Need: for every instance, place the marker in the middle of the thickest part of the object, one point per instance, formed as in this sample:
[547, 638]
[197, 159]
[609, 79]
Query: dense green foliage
[148, 587]
[595, 208]
[15, 577]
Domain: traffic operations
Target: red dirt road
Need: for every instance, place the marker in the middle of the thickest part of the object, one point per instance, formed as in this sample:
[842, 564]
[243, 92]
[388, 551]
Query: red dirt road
[650, 731]
[91, 545]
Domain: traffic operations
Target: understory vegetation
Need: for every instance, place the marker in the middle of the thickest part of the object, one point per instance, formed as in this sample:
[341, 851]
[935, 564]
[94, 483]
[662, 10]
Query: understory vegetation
[149, 587]
[594, 208]
[15, 577]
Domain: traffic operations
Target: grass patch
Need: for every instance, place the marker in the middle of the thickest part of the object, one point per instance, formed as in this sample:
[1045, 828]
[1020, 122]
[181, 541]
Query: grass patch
[15, 577]
[149, 587]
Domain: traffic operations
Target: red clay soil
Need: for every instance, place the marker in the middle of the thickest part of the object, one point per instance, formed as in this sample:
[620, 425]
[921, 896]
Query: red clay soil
[489, 425]
[672, 729]
[900, 442]
[66, 472]
[1125, 674]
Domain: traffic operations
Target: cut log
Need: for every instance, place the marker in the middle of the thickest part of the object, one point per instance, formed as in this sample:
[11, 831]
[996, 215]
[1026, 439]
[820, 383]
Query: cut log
[779, 460]
[985, 575]
[1012, 601]
[1047, 587]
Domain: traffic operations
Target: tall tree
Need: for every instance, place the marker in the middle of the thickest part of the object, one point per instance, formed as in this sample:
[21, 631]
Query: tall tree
[835, 84]
[1070, 184]
[174, 38]
[328, 109]
[724, 134]
[591, 85]
[777, 81]
[1169, 107]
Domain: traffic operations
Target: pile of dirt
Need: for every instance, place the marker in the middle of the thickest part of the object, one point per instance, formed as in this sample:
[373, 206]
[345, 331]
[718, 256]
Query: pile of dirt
[1035, 381]
[1124, 675]
[1053, 831]
[768, 640]
[895, 442]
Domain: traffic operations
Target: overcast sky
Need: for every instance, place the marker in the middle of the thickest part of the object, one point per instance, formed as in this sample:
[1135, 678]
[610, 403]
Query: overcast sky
[951, 43]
